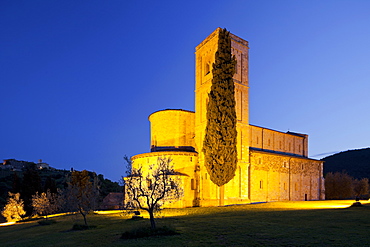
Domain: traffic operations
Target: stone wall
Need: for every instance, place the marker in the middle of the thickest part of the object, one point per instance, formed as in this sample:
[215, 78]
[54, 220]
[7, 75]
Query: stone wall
[278, 177]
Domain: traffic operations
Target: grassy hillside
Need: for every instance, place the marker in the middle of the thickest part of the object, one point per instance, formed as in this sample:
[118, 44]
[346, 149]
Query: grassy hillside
[267, 224]
[355, 162]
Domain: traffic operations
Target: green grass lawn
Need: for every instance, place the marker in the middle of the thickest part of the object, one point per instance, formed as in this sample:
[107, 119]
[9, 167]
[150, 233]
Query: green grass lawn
[267, 224]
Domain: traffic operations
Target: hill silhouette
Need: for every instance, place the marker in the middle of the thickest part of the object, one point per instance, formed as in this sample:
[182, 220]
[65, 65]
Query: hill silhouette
[355, 162]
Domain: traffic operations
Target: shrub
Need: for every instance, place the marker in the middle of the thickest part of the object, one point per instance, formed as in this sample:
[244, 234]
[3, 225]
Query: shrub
[135, 217]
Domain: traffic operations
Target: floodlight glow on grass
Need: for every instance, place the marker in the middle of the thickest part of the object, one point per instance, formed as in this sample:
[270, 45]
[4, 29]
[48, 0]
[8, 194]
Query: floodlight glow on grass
[7, 224]
[108, 212]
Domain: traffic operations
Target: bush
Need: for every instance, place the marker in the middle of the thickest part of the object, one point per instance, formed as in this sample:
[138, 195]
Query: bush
[135, 217]
[148, 232]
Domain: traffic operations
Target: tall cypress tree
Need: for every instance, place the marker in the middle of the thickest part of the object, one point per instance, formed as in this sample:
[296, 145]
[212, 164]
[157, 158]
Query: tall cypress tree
[219, 145]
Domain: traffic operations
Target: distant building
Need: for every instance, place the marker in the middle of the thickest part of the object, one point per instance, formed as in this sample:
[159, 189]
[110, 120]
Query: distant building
[19, 165]
[15, 165]
[272, 165]
[42, 165]
[113, 200]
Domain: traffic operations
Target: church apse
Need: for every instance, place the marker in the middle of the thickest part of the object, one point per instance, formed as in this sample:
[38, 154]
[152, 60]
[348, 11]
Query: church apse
[172, 130]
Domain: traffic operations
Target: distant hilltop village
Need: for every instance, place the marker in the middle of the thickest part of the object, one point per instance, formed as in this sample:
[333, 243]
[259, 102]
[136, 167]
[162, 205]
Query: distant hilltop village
[271, 166]
[20, 165]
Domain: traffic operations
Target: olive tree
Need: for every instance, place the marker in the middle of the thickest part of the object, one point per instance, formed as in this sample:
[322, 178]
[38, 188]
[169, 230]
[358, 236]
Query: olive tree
[14, 208]
[149, 190]
[45, 203]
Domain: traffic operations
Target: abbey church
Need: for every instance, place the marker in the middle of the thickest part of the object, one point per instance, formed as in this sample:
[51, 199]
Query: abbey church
[272, 165]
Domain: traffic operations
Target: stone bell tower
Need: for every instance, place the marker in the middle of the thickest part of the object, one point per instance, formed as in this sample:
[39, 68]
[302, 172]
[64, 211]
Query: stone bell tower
[205, 57]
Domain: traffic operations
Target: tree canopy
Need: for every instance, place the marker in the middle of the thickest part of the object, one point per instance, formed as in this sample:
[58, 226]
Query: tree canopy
[149, 191]
[14, 209]
[82, 193]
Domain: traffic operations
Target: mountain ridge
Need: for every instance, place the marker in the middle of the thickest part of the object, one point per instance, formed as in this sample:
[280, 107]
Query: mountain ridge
[355, 162]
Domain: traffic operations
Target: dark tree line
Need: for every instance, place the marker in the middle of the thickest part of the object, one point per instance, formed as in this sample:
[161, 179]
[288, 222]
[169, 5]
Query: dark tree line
[340, 185]
[32, 181]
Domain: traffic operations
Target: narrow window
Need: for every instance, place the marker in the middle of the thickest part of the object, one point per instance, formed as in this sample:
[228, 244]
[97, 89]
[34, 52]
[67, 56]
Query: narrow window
[207, 68]
[261, 184]
[192, 184]
[284, 186]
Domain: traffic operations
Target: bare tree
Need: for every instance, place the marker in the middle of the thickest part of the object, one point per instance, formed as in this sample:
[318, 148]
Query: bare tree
[361, 187]
[151, 189]
[14, 208]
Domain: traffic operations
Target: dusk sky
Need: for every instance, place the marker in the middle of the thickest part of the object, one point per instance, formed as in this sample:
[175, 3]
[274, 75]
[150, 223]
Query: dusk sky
[78, 79]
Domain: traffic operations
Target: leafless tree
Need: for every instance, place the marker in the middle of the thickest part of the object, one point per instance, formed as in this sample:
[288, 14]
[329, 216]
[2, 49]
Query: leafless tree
[361, 187]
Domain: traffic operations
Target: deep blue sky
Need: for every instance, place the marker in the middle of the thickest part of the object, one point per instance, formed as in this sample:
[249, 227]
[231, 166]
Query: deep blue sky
[78, 79]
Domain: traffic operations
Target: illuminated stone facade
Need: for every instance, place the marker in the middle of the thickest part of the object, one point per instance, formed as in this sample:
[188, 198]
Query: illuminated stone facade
[272, 165]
